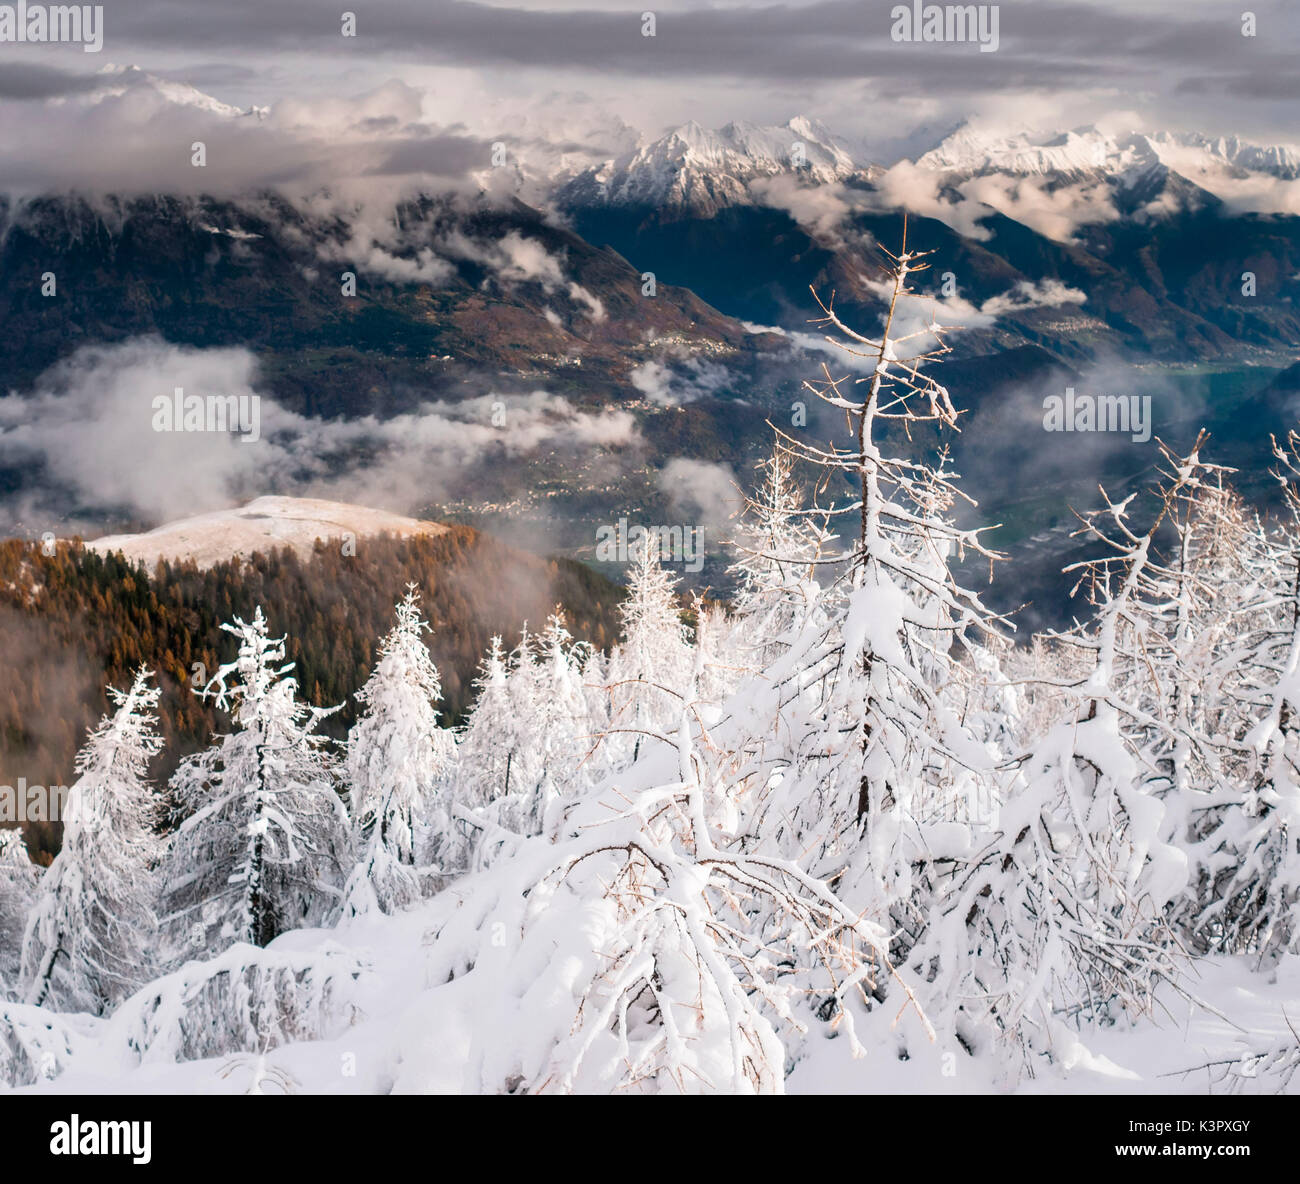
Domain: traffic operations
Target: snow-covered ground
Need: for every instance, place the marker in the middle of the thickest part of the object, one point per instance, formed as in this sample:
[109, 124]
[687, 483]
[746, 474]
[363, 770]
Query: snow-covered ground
[1244, 1012]
[414, 1034]
[266, 522]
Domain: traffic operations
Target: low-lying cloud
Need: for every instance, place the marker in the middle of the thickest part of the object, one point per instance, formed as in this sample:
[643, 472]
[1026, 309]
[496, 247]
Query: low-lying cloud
[88, 430]
[706, 493]
[124, 131]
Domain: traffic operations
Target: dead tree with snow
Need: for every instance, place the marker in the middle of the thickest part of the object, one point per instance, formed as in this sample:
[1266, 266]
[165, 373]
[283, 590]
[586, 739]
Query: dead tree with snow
[871, 746]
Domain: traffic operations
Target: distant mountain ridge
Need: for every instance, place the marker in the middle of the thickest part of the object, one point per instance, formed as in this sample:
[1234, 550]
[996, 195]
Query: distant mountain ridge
[1184, 246]
[1089, 150]
[704, 170]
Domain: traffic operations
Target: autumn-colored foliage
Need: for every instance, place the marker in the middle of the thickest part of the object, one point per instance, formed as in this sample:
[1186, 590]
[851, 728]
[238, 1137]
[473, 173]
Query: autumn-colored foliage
[75, 620]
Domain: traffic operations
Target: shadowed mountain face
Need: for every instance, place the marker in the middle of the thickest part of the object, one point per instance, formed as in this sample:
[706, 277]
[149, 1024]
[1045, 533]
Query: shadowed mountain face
[454, 288]
[1170, 291]
[460, 305]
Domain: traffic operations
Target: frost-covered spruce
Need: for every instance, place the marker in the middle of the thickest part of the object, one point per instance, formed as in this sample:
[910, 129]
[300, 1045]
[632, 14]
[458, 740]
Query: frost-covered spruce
[1209, 634]
[19, 879]
[1062, 910]
[867, 745]
[558, 726]
[650, 667]
[714, 669]
[530, 741]
[641, 949]
[397, 769]
[780, 542]
[265, 837]
[91, 938]
[488, 747]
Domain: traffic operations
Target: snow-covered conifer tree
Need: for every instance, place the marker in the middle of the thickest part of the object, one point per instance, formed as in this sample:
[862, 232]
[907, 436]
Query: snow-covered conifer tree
[19, 879]
[541, 752]
[780, 544]
[651, 665]
[398, 769]
[1061, 910]
[264, 839]
[667, 982]
[91, 938]
[560, 726]
[488, 745]
[1248, 853]
[869, 740]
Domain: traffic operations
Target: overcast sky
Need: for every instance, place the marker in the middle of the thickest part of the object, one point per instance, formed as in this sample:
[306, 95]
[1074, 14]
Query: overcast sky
[582, 72]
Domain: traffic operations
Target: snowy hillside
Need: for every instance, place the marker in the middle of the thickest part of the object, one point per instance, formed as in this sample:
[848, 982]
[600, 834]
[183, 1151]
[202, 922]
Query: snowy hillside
[262, 524]
[387, 1025]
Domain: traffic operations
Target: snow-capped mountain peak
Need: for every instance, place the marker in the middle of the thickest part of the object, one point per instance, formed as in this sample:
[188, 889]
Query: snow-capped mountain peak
[699, 170]
[118, 81]
[704, 169]
[1188, 152]
[971, 150]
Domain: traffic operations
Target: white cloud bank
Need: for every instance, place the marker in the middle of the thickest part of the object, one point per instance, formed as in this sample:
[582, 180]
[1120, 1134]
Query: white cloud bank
[89, 425]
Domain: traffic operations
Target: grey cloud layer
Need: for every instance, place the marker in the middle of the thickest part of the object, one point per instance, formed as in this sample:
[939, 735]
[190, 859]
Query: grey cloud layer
[34, 80]
[124, 134]
[1043, 44]
[1184, 65]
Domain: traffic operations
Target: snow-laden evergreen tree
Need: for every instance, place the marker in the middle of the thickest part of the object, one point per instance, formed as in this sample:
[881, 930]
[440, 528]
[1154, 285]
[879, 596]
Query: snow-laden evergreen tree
[868, 742]
[781, 545]
[19, 879]
[532, 731]
[496, 759]
[37, 1043]
[715, 670]
[243, 1000]
[488, 746]
[522, 687]
[595, 687]
[398, 770]
[264, 839]
[1203, 649]
[623, 953]
[559, 724]
[651, 664]
[92, 935]
[1061, 909]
